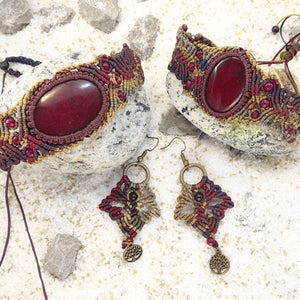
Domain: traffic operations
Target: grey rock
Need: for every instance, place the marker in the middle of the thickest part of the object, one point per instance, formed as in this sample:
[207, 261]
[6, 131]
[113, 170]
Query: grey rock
[108, 148]
[175, 123]
[55, 15]
[253, 217]
[258, 139]
[113, 145]
[14, 15]
[61, 256]
[143, 35]
[101, 14]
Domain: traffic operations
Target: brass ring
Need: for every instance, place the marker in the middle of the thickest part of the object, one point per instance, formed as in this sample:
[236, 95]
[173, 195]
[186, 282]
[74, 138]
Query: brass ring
[188, 167]
[138, 164]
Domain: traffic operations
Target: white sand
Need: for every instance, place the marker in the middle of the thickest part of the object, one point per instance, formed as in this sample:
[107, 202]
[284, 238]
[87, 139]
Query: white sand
[260, 235]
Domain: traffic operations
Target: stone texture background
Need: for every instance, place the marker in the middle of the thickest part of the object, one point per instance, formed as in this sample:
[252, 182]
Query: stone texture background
[260, 235]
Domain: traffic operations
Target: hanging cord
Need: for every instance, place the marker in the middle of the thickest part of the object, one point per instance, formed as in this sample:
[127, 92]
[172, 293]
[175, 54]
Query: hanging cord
[292, 47]
[8, 218]
[9, 178]
[4, 65]
[276, 28]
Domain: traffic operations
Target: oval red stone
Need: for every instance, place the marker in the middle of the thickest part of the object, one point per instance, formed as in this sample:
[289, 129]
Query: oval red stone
[226, 84]
[68, 107]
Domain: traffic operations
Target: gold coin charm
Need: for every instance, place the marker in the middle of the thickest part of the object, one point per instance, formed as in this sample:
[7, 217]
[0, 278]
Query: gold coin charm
[132, 253]
[219, 263]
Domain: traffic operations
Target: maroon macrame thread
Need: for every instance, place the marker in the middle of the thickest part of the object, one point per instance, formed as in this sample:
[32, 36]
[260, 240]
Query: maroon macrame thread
[263, 99]
[131, 205]
[203, 205]
[116, 77]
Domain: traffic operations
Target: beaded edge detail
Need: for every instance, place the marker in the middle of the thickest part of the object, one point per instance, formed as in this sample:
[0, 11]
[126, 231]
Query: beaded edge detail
[119, 75]
[263, 101]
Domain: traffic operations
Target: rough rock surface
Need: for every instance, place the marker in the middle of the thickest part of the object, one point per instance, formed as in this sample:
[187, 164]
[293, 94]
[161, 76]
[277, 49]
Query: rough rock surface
[110, 147]
[257, 139]
[61, 256]
[14, 15]
[176, 124]
[143, 35]
[253, 216]
[102, 14]
[55, 15]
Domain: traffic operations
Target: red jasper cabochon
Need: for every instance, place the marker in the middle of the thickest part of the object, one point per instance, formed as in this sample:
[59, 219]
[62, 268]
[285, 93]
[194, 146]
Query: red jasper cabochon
[225, 84]
[68, 107]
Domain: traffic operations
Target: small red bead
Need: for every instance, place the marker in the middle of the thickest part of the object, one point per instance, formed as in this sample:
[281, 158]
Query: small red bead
[255, 114]
[199, 53]
[118, 79]
[184, 27]
[268, 87]
[29, 152]
[16, 140]
[264, 103]
[105, 65]
[188, 84]
[121, 95]
[10, 122]
[191, 67]
[211, 241]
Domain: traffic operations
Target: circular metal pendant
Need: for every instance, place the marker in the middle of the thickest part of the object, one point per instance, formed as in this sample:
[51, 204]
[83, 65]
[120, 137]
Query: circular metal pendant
[219, 263]
[138, 164]
[193, 165]
[132, 253]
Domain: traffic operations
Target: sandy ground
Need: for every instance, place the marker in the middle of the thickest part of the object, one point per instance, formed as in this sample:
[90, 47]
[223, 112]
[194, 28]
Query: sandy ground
[260, 235]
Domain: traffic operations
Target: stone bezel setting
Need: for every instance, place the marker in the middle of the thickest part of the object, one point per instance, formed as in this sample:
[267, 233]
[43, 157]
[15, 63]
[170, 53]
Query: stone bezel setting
[237, 104]
[45, 87]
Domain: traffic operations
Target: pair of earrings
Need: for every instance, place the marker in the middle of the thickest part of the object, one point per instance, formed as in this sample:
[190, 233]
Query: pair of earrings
[201, 205]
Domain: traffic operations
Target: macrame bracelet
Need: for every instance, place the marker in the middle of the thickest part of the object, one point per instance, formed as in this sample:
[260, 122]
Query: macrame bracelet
[57, 113]
[227, 83]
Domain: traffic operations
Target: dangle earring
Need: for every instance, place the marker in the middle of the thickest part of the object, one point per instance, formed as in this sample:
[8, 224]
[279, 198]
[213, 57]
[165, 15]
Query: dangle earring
[203, 205]
[132, 205]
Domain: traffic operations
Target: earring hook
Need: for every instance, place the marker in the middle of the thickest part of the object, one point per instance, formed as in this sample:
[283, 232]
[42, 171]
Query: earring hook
[185, 161]
[141, 157]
